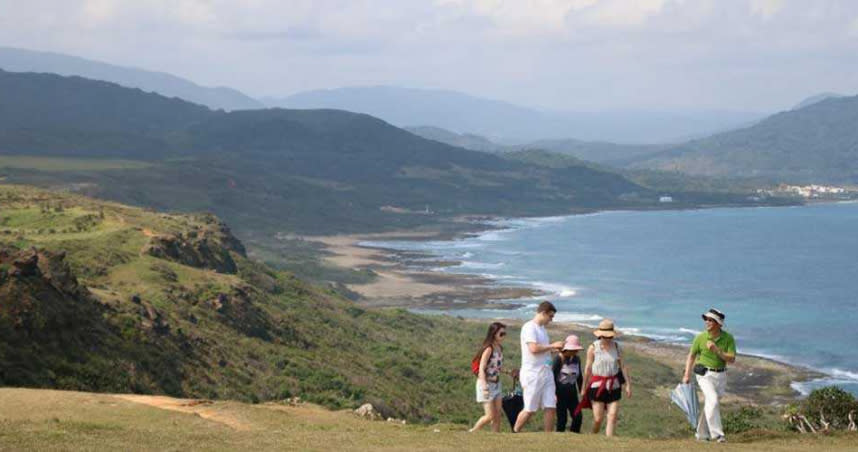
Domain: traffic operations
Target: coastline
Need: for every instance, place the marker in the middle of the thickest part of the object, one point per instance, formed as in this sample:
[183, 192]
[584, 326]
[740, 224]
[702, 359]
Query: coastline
[404, 280]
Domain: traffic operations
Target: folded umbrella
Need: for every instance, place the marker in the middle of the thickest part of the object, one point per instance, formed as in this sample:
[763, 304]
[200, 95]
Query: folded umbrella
[685, 397]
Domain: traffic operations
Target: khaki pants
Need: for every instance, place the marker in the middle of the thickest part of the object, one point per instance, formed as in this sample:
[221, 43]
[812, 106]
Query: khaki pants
[712, 384]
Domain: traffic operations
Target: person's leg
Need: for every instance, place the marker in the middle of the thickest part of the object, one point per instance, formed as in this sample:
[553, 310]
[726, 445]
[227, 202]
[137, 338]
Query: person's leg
[550, 414]
[598, 415]
[497, 413]
[613, 411]
[486, 418]
[714, 419]
[563, 397]
[522, 419]
[549, 403]
[576, 420]
[706, 423]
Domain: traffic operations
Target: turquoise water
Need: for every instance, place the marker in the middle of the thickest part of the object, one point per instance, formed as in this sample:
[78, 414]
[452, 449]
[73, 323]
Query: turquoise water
[786, 277]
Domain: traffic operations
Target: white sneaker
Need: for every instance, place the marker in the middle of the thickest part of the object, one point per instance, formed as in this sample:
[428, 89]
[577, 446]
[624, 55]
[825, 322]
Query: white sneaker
[721, 439]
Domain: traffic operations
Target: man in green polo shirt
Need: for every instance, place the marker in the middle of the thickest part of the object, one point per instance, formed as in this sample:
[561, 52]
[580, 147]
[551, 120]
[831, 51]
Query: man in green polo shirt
[710, 352]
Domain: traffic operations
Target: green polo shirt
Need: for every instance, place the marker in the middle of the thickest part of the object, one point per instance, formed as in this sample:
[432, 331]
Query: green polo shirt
[709, 359]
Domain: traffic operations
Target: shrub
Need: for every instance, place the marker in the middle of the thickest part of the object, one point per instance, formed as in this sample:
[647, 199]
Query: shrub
[742, 420]
[831, 402]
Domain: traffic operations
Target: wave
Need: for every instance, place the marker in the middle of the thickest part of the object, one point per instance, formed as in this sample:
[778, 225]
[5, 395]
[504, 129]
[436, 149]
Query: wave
[554, 288]
[576, 318]
[480, 265]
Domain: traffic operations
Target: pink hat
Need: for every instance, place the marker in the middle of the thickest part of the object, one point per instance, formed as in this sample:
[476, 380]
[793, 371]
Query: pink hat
[572, 343]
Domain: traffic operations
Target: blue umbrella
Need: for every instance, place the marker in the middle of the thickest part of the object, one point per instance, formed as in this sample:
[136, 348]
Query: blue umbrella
[685, 397]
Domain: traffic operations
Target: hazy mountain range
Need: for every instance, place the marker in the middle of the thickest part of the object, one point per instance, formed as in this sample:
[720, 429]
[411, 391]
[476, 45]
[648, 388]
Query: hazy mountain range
[593, 151]
[21, 60]
[512, 124]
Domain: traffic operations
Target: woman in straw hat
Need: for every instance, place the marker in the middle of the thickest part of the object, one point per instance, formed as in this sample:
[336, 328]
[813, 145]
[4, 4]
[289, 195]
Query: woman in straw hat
[604, 376]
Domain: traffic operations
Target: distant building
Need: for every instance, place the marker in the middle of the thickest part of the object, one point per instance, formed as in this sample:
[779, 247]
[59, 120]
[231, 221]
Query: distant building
[665, 199]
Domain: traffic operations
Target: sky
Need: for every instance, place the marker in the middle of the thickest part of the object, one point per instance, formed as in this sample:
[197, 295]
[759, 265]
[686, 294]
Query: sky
[584, 55]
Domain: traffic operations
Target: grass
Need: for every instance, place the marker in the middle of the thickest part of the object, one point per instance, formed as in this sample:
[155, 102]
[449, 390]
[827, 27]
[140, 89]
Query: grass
[68, 163]
[58, 420]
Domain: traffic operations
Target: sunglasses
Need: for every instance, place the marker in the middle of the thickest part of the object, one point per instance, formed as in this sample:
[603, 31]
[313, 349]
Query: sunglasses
[502, 334]
[709, 320]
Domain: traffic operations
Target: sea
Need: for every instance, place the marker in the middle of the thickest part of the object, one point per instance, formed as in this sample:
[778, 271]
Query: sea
[786, 277]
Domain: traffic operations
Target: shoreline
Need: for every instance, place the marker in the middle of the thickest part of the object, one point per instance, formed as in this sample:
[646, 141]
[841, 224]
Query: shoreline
[404, 281]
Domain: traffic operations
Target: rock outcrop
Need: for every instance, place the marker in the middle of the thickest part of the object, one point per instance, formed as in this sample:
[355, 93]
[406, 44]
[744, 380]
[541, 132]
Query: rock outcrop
[209, 246]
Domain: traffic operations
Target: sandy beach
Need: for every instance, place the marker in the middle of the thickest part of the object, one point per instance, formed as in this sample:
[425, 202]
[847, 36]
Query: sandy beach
[399, 284]
[752, 379]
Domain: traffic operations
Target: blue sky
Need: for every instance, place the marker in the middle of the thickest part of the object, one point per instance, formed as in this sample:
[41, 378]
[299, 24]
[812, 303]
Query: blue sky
[753, 55]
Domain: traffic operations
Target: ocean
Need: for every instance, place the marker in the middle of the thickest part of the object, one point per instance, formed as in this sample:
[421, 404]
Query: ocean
[786, 277]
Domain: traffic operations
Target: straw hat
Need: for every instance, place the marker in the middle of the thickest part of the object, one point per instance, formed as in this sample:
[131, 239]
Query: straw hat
[606, 329]
[572, 343]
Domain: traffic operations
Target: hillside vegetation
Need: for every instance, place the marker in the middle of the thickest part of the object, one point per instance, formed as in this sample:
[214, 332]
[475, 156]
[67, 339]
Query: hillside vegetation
[103, 297]
[263, 171]
[816, 143]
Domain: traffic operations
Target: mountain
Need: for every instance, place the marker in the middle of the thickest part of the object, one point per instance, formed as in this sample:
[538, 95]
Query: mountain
[816, 98]
[816, 143]
[511, 123]
[592, 151]
[21, 60]
[461, 140]
[311, 171]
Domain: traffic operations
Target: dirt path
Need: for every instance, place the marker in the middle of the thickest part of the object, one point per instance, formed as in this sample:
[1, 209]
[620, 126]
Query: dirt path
[202, 408]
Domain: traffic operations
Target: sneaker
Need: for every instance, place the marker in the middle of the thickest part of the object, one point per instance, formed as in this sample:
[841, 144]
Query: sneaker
[721, 439]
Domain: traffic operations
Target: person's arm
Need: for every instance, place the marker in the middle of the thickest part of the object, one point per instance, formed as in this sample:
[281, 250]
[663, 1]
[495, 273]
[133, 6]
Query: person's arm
[625, 369]
[728, 355]
[580, 373]
[484, 362]
[536, 347]
[555, 367]
[588, 371]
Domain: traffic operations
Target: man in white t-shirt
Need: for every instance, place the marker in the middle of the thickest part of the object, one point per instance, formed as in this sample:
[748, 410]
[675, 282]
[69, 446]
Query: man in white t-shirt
[537, 380]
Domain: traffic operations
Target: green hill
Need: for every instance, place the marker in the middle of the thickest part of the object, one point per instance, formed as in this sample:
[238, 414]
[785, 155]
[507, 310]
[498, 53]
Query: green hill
[310, 171]
[116, 298]
[816, 143]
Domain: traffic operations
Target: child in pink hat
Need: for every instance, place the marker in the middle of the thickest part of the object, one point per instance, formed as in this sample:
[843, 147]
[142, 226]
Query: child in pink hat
[567, 381]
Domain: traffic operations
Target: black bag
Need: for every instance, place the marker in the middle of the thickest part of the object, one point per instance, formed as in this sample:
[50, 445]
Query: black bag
[512, 404]
[700, 369]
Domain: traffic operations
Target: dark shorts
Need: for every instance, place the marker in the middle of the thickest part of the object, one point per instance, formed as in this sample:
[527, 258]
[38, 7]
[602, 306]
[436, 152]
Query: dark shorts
[607, 396]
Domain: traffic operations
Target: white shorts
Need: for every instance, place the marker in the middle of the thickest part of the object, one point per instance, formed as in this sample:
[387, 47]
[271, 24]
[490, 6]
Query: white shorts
[540, 393]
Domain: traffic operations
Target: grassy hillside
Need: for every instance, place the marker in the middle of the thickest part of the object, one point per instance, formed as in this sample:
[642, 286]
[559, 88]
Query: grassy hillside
[47, 420]
[155, 324]
[816, 143]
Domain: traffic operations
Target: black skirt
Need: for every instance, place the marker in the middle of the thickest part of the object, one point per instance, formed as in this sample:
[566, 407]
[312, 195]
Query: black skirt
[607, 396]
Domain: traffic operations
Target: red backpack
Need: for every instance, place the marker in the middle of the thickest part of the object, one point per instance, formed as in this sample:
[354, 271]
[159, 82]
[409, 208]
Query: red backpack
[475, 363]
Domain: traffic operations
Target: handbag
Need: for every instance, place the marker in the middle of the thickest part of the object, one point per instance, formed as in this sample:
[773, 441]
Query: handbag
[700, 369]
[513, 403]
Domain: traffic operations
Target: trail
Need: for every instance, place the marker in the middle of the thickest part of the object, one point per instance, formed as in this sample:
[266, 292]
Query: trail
[201, 408]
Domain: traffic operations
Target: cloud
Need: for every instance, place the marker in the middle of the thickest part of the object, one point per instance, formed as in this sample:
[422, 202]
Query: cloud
[566, 54]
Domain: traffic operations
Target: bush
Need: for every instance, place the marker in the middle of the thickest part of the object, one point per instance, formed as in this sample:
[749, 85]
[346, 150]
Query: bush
[831, 402]
[742, 420]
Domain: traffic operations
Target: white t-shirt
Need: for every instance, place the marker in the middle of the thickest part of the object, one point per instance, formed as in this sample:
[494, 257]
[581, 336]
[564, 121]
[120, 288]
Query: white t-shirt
[534, 363]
